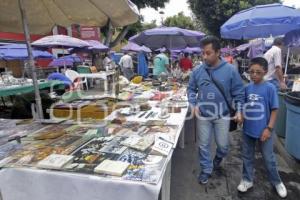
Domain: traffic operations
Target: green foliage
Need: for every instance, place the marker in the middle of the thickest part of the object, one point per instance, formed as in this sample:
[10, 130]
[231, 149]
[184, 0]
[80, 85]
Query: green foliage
[150, 3]
[180, 20]
[214, 13]
[139, 27]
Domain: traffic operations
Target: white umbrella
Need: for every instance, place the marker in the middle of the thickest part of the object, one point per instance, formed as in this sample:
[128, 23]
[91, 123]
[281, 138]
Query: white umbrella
[40, 16]
[43, 15]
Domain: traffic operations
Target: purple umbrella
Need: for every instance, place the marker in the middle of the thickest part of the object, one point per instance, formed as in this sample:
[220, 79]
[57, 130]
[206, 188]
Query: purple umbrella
[19, 52]
[242, 47]
[135, 47]
[291, 39]
[65, 61]
[169, 37]
[95, 46]
[60, 41]
[187, 50]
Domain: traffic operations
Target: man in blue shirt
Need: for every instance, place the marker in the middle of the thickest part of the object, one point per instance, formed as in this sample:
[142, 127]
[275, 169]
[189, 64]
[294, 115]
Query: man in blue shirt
[260, 113]
[161, 64]
[209, 105]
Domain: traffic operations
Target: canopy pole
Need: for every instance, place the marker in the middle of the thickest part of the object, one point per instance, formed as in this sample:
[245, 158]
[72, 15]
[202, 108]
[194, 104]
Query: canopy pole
[287, 61]
[32, 68]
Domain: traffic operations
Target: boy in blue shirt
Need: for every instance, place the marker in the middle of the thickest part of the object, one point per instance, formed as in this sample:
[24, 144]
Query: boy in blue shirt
[260, 111]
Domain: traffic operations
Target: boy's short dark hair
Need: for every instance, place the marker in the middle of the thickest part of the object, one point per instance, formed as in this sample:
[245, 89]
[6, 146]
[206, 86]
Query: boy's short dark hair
[259, 61]
[278, 41]
[210, 39]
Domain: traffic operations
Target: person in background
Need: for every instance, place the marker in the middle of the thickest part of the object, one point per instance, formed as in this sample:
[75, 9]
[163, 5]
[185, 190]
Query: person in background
[274, 58]
[209, 105]
[61, 77]
[261, 108]
[106, 61]
[98, 61]
[176, 71]
[161, 64]
[185, 63]
[126, 65]
[197, 60]
[228, 58]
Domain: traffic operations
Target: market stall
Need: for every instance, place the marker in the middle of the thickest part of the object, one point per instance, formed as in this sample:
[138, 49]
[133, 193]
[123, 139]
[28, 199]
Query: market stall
[126, 155]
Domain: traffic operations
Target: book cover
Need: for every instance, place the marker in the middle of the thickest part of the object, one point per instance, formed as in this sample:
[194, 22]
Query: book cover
[139, 142]
[111, 167]
[114, 146]
[55, 161]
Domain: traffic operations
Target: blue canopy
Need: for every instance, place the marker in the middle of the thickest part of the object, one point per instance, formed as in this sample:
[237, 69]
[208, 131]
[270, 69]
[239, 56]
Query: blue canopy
[65, 61]
[261, 22]
[292, 38]
[19, 52]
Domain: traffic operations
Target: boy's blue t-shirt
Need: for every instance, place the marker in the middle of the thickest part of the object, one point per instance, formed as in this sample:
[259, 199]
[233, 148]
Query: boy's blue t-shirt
[261, 99]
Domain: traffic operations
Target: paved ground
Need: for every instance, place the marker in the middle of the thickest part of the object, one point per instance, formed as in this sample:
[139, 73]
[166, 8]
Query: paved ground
[184, 185]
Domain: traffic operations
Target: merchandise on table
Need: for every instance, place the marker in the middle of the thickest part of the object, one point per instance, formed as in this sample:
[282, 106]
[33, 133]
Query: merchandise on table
[161, 146]
[112, 167]
[55, 161]
[139, 142]
[50, 132]
[9, 148]
[114, 146]
[75, 105]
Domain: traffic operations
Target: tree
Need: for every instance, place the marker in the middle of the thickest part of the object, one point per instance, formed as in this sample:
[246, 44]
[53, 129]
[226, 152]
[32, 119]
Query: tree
[134, 28]
[180, 20]
[139, 27]
[214, 13]
[150, 3]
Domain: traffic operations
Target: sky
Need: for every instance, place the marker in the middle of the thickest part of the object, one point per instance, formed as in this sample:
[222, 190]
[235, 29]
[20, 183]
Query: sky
[176, 6]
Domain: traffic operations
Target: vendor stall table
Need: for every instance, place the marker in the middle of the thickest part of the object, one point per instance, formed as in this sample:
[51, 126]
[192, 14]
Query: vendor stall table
[16, 90]
[100, 75]
[35, 184]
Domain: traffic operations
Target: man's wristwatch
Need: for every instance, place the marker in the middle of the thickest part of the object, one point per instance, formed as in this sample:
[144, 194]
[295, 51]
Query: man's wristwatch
[269, 128]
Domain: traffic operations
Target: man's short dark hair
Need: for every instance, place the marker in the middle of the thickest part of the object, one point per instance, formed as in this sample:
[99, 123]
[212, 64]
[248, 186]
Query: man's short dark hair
[210, 39]
[278, 41]
[259, 61]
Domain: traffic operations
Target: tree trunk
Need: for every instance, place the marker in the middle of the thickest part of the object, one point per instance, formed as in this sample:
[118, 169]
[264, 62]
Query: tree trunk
[120, 37]
[109, 33]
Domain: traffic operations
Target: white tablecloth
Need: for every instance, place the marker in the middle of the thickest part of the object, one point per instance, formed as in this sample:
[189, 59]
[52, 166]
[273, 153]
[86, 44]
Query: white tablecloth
[34, 184]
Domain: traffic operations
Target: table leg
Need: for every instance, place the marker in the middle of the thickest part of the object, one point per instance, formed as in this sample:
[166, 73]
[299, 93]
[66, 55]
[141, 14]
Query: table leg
[105, 85]
[2, 99]
[182, 135]
[166, 184]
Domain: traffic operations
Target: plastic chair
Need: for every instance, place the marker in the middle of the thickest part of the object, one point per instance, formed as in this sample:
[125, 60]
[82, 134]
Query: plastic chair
[76, 79]
[83, 70]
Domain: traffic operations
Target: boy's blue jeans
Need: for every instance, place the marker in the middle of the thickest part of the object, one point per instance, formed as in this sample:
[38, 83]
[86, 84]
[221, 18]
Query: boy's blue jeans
[205, 130]
[268, 155]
